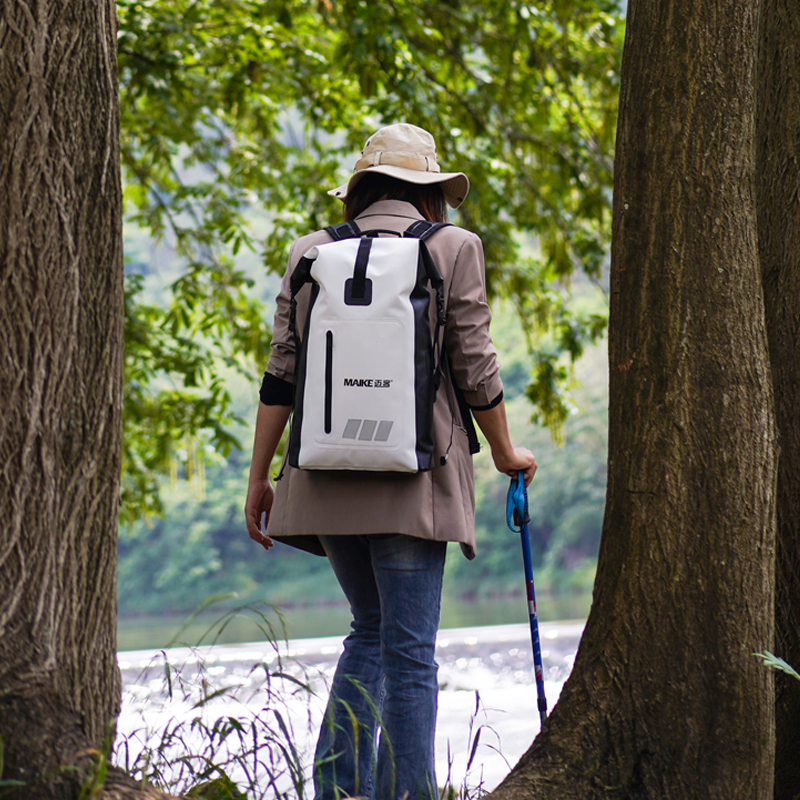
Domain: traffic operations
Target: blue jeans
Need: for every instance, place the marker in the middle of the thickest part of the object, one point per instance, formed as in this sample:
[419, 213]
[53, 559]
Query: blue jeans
[387, 677]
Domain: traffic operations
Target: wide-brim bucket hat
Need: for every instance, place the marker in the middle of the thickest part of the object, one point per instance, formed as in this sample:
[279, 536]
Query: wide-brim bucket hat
[409, 153]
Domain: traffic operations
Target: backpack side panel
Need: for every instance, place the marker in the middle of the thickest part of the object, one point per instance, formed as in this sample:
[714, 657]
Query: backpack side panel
[424, 391]
[301, 371]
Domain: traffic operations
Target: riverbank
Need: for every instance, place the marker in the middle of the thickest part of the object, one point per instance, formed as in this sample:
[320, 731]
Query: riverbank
[261, 621]
[486, 684]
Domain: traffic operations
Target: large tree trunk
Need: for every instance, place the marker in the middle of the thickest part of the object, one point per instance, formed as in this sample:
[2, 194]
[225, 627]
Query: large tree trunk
[60, 385]
[666, 699]
[60, 356]
[778, 193]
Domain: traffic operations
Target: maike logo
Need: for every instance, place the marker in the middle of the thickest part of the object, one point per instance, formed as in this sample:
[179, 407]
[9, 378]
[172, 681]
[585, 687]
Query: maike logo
[368, 383]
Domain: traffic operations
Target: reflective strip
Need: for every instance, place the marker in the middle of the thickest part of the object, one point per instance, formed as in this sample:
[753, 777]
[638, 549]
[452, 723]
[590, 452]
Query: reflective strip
[351, 429]
[384, 429]
[367, 430]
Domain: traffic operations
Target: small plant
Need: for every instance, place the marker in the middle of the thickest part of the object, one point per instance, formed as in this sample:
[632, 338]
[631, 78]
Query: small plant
[771, 660]
[472, 786]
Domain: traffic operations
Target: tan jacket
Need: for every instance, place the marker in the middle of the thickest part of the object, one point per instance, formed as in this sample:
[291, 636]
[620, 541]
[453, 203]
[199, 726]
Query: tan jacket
[439, 504]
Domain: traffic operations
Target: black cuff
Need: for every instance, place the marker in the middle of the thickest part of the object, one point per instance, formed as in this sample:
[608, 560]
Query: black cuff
[276, 392]
[495, 402]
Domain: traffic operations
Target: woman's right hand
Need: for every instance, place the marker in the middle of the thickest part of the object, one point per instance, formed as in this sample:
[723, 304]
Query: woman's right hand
[507, 459]
[518, 459]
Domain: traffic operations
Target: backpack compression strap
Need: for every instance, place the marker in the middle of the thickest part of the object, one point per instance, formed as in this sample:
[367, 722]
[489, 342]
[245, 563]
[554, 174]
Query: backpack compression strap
[302, 272]
[344, 230]
[423, 229]
[300, 276]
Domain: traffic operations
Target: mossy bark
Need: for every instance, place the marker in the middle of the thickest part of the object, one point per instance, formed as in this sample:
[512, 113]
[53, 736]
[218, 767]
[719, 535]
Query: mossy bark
[666, 699]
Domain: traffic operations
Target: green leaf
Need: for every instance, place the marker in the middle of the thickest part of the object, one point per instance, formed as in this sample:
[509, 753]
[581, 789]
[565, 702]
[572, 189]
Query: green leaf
[771, 660]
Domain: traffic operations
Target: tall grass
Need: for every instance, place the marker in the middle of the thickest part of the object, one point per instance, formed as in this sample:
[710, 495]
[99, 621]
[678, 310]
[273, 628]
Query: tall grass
[205, 735]
[223, 737]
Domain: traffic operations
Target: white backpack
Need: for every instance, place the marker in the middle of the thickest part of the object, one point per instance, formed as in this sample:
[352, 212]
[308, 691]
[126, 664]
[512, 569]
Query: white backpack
[368, 365]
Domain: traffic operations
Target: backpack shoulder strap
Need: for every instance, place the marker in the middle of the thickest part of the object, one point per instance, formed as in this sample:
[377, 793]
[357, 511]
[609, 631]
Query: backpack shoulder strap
[300, 276]
[423, 229]
[344, 230]
[465, 411]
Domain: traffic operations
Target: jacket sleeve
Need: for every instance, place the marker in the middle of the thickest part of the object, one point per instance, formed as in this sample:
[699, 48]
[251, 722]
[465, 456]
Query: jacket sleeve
[469, 346]
[281, 360]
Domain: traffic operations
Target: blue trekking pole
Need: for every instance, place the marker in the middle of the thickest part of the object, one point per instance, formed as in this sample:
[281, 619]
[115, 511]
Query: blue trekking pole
[517, 515]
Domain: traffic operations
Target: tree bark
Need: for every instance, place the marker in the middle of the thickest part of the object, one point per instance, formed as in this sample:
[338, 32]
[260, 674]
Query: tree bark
[666, 699]
[60, 388]
[778, 194]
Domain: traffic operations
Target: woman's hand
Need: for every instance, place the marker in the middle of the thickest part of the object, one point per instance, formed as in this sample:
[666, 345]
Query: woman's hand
[270, 422]
[507, 459]
[260, 496]
[519, 458]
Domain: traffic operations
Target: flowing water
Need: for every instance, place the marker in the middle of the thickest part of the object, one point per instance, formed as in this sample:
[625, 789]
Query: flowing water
[487, 692]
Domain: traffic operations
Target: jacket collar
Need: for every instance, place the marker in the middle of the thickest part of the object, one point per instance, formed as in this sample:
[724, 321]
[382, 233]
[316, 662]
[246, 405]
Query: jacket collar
[390, 208]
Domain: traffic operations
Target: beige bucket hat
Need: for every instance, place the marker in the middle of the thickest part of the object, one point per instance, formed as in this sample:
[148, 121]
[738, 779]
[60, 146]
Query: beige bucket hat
[407, 152]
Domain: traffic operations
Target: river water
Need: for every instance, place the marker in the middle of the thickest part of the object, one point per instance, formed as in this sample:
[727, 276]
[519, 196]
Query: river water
[185, 698]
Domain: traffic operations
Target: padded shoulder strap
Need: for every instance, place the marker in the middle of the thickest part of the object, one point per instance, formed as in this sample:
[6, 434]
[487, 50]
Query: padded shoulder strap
[422, 229]
[300, 275]
[344, 230]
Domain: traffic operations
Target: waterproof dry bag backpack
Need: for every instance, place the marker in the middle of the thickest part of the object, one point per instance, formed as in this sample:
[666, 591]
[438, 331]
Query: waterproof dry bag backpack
[368, 363]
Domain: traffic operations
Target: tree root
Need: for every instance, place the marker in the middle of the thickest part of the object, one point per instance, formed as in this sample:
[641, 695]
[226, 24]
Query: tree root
[118, 785]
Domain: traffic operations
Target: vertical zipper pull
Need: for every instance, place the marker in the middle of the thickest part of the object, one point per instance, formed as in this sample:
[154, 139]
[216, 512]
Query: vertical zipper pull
[328, 381]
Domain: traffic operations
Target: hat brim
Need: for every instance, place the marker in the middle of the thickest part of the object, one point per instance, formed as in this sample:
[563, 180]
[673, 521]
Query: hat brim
[455, 185]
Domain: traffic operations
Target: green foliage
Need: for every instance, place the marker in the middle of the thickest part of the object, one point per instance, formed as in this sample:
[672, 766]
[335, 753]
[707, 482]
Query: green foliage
[771, 660]
[169, 354]
[237, 116]
[200, 549]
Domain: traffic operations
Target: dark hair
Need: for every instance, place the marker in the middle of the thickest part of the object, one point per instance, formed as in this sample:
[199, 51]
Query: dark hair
[428, 199]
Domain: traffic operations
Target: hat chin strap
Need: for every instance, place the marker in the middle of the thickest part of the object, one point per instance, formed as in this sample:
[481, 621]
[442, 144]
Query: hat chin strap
[381, 157]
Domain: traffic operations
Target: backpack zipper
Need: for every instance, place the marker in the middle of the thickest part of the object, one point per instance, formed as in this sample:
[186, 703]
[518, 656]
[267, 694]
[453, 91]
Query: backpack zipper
[328, 380]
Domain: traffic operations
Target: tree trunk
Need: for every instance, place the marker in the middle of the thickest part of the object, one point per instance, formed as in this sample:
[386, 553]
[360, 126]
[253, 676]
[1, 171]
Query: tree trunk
[666, 699]
[60, 388]
[778, 194]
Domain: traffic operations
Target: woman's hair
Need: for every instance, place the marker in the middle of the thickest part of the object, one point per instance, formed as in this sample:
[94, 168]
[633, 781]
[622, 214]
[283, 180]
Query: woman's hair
[428, 199]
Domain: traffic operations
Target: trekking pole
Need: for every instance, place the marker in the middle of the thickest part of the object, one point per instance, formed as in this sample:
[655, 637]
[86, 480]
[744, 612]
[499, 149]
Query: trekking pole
[517, 515]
